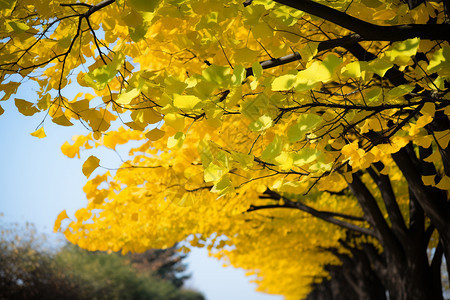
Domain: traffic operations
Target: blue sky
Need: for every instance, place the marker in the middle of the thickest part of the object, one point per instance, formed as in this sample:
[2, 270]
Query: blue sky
[37, 182]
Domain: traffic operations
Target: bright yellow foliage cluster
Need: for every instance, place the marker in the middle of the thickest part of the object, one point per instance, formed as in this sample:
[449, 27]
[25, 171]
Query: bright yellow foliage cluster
[173, 75]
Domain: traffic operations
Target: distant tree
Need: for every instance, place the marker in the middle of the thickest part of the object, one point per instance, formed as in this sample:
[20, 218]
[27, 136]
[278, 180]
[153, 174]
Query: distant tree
[28, 271]
[166, 264]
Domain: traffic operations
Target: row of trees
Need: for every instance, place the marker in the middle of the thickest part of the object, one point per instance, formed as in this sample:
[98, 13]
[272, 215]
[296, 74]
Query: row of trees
[31, 269]
[298, 139]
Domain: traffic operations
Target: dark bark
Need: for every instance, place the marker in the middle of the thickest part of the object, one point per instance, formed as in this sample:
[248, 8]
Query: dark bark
[352, 280]
[384, 185]
[370, 31]
[432, 200]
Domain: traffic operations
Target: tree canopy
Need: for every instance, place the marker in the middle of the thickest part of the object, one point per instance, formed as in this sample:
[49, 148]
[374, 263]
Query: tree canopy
[285, 136]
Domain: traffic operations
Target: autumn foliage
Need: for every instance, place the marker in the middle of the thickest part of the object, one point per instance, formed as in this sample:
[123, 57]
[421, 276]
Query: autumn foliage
[286, 136]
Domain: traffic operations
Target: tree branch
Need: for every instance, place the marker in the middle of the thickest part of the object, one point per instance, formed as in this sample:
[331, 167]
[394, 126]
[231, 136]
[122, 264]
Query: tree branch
[98, 6]
[375, 217]
[384, 185]
[369, 31]
[345, 42]
[328, 213]
[325, 216]
[430, 199]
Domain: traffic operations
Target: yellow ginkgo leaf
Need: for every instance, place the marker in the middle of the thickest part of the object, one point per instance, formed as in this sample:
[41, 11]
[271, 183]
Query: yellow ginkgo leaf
[62, 216]
[434, 157]
[444, 184]
[443, 138]
[428, 180]
[62, 120]
[186, 102]
[429, 108]
[155, 134]
[40, 133]
[25, 108]
[245, 55]
[90, 165]
[127, 97]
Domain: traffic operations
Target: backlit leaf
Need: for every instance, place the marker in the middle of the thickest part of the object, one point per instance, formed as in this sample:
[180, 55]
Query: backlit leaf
[186, 102]
[284, 82]
[304, 123]
[440, 59]
[176, 140]
[40, 133]
[127, 97]
[273, 149]
[406, 48]
[262, 123]
[257, 69]
[18, 27]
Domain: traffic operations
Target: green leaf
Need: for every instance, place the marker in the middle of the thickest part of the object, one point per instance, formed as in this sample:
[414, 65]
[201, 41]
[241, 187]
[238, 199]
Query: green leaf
[273, 149]
[216, 74]
[257, 70]
[173, 85]
[176, 140]
[440, 60]
[284, 82]
[7, 4]
[262, 123]
[245, 160]
[101, 76]
[207, 21]
[305, 156]
[205, 149]
[238, 75]
[352, 70]
[144, 5]
[379, 66]
[18, 27]
[373, 95]
[319, 71]
[137, 33]
[399, 91]
[223, 186]
[331, 62]
[213, 173]
[309, 51]
[406, 48]
[254, 107]
[304, 124]
[245, 55]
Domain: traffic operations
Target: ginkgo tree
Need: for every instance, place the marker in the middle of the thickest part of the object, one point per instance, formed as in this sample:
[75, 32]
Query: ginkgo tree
[286, 136]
